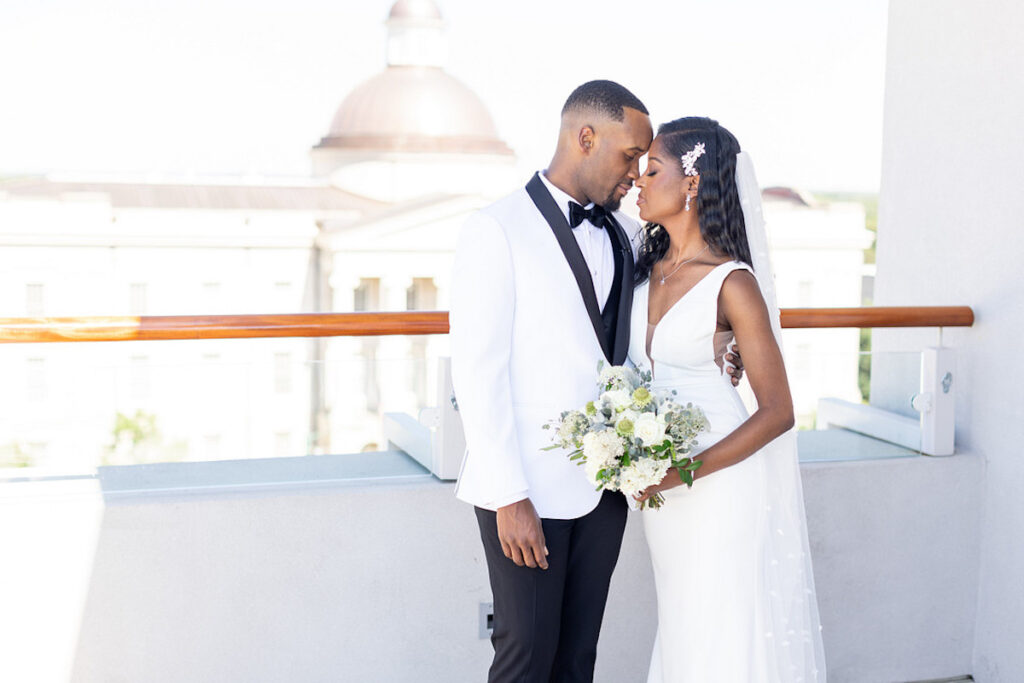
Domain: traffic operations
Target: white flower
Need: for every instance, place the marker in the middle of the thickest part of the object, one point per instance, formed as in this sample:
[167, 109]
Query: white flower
[641, 474]
[602, 447]
[600, 451]
[649, 429]
[573, 426]
[642, 397]
[690, 158]
[618, 399]
[611, 374]
[630, 414]
[625, 420]
[591, 468]
[614, 377]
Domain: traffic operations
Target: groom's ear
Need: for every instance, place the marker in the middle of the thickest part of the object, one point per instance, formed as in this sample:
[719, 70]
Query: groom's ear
[586, 139]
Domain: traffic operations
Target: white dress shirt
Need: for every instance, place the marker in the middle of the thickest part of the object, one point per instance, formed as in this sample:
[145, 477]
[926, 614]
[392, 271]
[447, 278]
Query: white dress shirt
[594, 242]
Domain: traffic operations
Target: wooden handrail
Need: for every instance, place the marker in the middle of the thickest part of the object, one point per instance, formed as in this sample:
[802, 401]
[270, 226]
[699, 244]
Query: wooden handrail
[879, 316]
[150, 328]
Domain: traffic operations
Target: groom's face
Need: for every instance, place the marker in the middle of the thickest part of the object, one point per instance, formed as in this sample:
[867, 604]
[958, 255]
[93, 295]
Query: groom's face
[614, 163]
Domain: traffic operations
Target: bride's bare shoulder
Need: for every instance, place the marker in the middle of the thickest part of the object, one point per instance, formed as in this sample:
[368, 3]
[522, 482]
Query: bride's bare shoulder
[740, 293]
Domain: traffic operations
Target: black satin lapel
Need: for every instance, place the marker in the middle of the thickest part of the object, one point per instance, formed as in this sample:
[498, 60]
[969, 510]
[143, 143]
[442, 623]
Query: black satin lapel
[622, 325]
[563, 233]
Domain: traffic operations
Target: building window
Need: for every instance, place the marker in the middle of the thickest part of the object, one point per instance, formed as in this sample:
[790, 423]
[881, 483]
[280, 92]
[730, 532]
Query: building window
[141, 379]
[422, 295]
[366, 297]
[371, 385]
[283, 373]
[35, 302]
[36, 371]
[137, 303]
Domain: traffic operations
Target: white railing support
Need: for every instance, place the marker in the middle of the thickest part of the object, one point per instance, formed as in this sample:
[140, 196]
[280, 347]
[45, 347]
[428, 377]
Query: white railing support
[436, 440]
[931, 433]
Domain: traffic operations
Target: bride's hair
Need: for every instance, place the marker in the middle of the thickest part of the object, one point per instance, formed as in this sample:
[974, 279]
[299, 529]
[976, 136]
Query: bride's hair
[718, 202]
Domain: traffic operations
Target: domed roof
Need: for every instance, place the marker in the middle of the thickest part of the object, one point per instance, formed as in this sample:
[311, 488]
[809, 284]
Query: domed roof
[415, 9]
[414, 109]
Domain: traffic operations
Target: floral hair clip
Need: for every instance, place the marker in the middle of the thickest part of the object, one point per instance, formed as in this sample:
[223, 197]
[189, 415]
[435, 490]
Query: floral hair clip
[690, 158]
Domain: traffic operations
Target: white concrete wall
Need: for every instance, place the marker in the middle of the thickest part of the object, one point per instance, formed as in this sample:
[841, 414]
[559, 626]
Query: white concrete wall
[950, 232]
[382, 581]
[894, 544]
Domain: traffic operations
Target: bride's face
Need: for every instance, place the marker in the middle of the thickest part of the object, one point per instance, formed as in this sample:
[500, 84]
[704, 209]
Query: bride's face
[663, 186]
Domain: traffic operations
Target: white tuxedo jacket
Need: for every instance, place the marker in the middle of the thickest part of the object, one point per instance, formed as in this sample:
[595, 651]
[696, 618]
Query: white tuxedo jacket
[526, 340]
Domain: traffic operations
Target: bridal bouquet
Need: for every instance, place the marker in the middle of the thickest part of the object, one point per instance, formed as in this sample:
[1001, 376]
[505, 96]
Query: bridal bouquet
[628, 438]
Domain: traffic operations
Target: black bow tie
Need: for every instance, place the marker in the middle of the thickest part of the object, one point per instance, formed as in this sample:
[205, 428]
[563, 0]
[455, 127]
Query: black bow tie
[596, 214]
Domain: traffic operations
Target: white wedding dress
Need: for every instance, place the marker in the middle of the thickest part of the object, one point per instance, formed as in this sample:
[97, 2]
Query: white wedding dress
[734, 606]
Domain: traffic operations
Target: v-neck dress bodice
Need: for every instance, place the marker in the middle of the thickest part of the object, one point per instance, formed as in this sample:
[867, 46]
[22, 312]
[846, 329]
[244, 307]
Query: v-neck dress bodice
[682, 347]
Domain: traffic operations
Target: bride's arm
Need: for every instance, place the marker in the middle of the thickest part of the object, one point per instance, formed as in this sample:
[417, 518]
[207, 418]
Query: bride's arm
[742, 307]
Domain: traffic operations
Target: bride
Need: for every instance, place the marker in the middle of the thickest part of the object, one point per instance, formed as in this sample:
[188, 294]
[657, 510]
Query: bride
[736, 599]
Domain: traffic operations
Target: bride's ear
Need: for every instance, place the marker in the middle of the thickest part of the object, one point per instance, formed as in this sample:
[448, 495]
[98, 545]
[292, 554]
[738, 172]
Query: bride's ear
[690, 185]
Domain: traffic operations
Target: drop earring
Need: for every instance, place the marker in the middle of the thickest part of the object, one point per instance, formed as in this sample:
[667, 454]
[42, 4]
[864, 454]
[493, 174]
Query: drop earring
[687, 206]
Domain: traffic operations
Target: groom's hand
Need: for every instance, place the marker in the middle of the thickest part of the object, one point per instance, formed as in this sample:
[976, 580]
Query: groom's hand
[521, 535]
[735, 372]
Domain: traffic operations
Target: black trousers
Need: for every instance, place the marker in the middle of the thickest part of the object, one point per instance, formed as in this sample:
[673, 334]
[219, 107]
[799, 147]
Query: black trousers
[546, 622]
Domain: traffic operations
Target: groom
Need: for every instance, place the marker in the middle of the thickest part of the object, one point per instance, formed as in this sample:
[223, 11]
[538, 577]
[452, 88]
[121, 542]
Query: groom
[542, 292]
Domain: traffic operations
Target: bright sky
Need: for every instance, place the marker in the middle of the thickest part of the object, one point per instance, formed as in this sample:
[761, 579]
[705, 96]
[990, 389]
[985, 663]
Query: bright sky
[226, 87]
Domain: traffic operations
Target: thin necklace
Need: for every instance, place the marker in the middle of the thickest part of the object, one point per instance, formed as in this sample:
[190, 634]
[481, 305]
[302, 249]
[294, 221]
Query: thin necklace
[665, 277]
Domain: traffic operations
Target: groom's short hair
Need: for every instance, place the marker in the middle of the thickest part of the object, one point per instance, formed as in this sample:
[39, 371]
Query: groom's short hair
[606, 97]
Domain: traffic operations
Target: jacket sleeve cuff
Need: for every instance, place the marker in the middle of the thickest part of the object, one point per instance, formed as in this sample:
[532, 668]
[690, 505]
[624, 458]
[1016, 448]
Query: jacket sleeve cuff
[510, 498]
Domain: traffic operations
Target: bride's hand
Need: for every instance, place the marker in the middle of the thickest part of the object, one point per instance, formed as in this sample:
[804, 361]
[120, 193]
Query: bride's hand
[670, 481]
[642, 497]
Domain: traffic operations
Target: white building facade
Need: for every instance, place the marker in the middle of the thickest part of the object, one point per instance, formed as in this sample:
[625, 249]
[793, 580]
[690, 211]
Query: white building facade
[409, 154]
